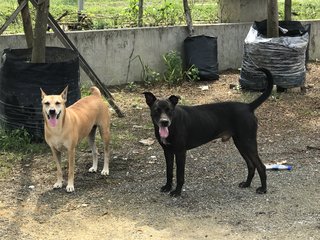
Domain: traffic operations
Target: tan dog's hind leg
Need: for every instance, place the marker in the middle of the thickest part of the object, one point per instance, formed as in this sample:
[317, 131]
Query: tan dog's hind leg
[105, 136]
[71, 160]
[57, 158]
[92, 144]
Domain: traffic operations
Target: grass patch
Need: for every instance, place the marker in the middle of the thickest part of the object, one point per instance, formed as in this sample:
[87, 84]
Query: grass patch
[14, 146]
[102, 14]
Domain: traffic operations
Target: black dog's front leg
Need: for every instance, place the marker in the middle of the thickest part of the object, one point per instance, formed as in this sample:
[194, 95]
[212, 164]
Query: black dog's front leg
[169, 165]
[180, 163]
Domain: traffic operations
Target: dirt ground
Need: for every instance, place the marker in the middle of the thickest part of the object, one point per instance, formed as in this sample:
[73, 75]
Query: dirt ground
[128, 204]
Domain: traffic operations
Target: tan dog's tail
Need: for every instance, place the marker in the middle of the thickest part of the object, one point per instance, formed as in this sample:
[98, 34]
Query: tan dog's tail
[95, 91]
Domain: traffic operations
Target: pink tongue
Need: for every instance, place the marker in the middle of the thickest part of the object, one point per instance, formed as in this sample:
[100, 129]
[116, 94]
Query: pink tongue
[53, 121]
[164, 132]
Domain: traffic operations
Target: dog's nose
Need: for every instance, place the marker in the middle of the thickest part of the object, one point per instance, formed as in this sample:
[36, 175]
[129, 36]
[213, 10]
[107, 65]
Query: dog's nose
[52, 111]
[164, 122]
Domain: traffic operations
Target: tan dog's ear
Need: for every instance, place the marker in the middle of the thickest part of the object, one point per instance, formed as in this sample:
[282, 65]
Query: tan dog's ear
[43, 94]
[64, 93]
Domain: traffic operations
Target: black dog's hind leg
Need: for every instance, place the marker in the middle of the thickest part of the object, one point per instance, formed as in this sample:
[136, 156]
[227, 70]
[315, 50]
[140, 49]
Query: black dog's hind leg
[249, 152]
[169, 156]
[180, 163]
[262, 173]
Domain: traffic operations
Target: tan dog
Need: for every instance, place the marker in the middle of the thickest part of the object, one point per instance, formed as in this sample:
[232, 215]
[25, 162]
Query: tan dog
[66, 127]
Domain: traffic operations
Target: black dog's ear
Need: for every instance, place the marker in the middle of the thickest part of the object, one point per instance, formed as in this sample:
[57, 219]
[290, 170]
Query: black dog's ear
[174, 99]
[150, 98]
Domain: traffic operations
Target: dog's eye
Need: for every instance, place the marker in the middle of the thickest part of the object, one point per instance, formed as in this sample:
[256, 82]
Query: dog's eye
[47, 103]
[58, 103]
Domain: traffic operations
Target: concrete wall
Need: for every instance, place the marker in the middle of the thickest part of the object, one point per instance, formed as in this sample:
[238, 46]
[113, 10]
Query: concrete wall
[111, 53]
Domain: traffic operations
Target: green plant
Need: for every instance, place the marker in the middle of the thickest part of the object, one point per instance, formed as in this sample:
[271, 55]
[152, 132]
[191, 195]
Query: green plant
[85, 90]
[151, 77]
[124, 13]
[192, 74]
[131, 86]
[174, 73]
[132, 12]
[14, 140]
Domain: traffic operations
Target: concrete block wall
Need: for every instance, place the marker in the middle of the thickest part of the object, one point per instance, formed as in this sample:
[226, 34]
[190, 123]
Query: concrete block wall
[112, 53]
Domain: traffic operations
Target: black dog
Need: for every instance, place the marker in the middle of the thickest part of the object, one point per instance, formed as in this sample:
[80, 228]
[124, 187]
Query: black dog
[180, 128]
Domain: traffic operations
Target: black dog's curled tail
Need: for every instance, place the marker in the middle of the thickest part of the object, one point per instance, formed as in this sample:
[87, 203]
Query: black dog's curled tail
[264, 96]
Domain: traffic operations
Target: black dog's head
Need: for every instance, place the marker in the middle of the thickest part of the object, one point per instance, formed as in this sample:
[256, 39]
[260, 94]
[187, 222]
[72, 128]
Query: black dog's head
[162, 111]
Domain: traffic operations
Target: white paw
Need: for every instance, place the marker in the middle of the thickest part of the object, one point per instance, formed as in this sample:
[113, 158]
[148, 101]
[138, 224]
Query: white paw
[92, 169]
[105, 172]
[70, 188]
[57, 185]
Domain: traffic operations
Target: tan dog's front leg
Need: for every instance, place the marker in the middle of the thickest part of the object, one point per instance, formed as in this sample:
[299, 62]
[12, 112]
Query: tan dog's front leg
[57, 158]
[71, 161]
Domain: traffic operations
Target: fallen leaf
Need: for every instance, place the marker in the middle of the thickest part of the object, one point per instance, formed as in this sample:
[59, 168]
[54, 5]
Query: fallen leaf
[147, 142]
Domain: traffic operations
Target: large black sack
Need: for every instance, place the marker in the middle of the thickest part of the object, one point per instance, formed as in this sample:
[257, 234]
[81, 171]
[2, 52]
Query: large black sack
[201, 51]
[20, 83]
[284, 56]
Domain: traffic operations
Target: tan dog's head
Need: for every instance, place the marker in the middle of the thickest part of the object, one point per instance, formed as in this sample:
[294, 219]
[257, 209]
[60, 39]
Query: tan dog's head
[53, 107]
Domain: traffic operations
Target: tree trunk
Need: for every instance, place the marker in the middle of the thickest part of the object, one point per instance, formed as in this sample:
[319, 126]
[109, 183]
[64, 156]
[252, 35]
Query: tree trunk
[287, 10]
[187, 14]
[27, 26]
[273, 19]
[140, 13]
[39, 41]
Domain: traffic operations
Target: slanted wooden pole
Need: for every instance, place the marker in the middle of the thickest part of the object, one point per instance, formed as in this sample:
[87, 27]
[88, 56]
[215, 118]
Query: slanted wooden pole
[27, 25]
[13, 16]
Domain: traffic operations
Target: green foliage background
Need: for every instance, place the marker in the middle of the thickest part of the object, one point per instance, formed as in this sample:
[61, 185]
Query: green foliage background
[103, 14]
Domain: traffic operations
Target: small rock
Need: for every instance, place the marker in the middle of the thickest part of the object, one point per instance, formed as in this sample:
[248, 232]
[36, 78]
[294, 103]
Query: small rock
[147, 142]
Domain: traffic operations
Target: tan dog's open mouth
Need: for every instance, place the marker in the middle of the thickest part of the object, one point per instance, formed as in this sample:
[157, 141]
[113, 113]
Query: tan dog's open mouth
[53, 118]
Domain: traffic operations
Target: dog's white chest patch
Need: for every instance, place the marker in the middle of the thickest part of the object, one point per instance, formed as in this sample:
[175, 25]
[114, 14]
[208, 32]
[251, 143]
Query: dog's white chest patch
[164, 141]
[57, 143]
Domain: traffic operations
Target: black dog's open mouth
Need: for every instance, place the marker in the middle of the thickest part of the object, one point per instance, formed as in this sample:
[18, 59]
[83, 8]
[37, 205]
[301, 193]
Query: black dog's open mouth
[164, 132]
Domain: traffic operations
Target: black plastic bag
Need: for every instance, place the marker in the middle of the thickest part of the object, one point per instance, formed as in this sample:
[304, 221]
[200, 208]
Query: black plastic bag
[201, 51]
[20, 83]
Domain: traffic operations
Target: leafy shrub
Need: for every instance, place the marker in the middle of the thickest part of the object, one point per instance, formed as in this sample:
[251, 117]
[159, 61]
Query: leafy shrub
[192, 74]
[174, 73]
[14, 140]
[151, 77]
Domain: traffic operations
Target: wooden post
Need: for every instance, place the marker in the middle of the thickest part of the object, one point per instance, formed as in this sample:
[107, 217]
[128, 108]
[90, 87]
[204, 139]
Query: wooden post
[187, 14]
[273, 19]
[287, 10]
[140, 22]
[39, 41]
